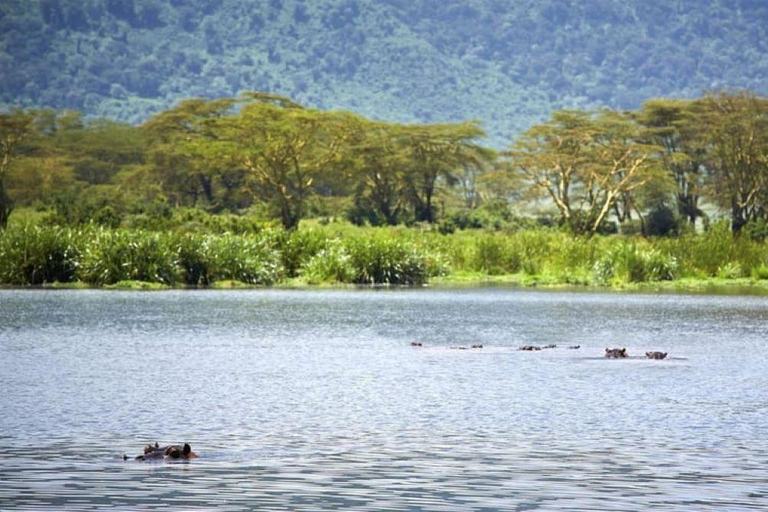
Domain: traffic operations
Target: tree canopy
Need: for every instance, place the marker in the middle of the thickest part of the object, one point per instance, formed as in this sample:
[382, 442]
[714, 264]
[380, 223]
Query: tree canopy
[509, 63]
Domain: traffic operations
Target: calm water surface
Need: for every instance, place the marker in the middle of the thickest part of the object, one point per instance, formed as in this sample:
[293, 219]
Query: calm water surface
[312, 400]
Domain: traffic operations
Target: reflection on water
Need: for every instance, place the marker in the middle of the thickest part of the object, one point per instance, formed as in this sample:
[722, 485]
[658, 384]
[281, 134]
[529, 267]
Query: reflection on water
[308, 400]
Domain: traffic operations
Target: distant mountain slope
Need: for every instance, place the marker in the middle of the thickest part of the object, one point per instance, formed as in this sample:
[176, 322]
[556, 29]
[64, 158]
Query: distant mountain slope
[507, 62]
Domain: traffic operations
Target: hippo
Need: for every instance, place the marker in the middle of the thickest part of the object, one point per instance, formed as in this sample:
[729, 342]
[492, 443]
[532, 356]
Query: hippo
[476, 346]
[655, 355]
[616, 353]
[529, 347]
[551, 345]
[174, 451]
[416, 344]
[574, 347]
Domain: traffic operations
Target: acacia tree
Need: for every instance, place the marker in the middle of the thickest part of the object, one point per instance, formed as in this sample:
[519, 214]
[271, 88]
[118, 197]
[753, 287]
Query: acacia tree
[181, 157]
[436, 151]
[15, 127]
[379, 170]
[549, 157]
[733, 129]
[670, 124]
[284, 148]
[620, 164]
[589, 164]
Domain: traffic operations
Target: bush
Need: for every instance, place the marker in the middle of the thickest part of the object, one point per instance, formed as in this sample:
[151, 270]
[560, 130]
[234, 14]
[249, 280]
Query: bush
[113, 255]
[495, 255]
[662, 221]
[377, 259]
[298, 247]
[32, 255]
[627, 262]
[760, 272]
[205, 259]
[331, 264]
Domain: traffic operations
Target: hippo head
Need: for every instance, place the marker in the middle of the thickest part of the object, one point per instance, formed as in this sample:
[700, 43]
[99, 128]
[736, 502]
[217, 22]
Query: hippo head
[174, 452]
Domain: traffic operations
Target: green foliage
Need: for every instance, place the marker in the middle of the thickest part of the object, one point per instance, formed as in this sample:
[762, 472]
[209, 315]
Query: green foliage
[508, 63]
[32, 255]
[330, 265]
[661, 221]
[760, 272]
[494, 254]
[111, 256]
[630, 262]
[383, 259]
[756, 230]
[704, 255]
[245, 258]
[298, 247]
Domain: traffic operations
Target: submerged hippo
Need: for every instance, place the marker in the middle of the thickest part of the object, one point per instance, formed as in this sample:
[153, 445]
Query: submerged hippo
[174, 451]
[655, 355]
[529, 347]
[615, 353]
[416, 344]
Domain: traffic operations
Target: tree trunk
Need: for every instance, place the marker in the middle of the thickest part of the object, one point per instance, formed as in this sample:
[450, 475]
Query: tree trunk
[6, 207]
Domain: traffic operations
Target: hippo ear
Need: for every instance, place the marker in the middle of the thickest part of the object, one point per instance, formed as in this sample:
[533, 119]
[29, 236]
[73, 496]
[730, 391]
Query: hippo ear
[157, 445]
[187, 449]
[607, 350]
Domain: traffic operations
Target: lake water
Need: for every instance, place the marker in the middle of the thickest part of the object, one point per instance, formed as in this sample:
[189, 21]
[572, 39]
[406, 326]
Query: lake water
[313, 400]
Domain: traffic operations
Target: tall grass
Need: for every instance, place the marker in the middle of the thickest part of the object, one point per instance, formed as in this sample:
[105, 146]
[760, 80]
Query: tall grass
[110, 256]
[33, 255]
[385, 259]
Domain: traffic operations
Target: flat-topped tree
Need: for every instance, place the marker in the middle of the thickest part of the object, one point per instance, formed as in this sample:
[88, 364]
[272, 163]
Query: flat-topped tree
[285, 149]
[589, 163]
[378, 169]
[670, 124]
[437, 151]
[733, 130]
[181, 153]
[15, 127]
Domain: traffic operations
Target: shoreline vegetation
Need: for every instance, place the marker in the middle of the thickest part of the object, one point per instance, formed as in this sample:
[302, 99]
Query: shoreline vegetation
[258, 190]
[339, 254]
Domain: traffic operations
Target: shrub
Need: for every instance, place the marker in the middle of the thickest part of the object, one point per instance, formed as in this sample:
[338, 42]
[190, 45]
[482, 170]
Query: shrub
[760, 272]
[662, 221]
[115, 255]
[331, 264]
[32, 255]
[627, 262]
[494, 255]
[205, 259]
[298, 247]
[377, 259]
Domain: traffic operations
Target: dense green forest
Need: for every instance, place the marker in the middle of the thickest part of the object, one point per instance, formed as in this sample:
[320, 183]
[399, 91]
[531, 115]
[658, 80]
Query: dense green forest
[263, 156]
[507, 63]
[217, 190]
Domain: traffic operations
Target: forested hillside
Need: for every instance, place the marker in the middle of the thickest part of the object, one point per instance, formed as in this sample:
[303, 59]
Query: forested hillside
[508, 63]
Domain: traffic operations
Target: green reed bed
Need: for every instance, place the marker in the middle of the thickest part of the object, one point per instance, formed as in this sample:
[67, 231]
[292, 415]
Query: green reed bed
[35, 255]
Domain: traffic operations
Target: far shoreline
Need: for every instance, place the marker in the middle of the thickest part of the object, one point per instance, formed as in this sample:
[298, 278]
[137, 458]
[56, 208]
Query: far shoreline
[682, 286]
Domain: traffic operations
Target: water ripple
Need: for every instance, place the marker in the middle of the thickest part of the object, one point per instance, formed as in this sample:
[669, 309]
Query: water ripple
[316, 401]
